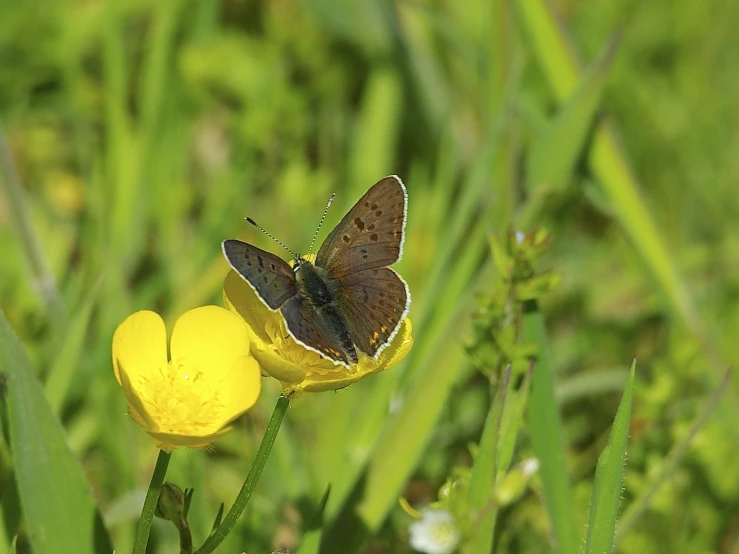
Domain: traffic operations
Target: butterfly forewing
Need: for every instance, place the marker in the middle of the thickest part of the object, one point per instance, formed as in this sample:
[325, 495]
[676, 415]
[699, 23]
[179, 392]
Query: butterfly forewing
[305, 326]
[269, 275]
[373, 304]
[370, 235]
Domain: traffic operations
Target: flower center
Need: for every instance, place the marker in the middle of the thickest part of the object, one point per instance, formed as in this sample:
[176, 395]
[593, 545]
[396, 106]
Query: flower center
[180, 400]
[444, 534]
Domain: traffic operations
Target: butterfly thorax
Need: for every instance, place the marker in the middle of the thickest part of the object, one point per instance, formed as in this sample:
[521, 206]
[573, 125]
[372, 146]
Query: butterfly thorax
[313, 283]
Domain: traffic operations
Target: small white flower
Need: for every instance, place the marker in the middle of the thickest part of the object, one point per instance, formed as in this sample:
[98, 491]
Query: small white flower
[519, 237]
[529, 467]
[435, 533]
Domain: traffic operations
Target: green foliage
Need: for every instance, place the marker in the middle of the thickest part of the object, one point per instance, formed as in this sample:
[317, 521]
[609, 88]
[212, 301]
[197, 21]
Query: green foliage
[566, 205]
[60, 513]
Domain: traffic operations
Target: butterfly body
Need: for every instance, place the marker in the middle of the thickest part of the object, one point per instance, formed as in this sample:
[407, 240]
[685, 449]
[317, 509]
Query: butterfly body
[317, 290]
[348, 300]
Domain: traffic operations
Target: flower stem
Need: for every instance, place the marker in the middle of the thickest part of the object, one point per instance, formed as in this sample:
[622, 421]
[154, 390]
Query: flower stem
[150, 504]
[268, 440]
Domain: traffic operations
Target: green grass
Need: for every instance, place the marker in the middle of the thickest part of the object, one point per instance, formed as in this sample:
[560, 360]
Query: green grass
[134, 137]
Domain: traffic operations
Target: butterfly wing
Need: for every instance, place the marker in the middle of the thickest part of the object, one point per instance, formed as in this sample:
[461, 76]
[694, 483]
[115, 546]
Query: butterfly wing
[373, 304]
[316, 332]
[270, 276]
[371, 234]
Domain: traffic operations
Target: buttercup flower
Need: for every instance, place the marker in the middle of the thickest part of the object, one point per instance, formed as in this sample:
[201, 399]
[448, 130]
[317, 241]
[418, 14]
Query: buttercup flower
[297, 368]
[435, 533]
[209, 380]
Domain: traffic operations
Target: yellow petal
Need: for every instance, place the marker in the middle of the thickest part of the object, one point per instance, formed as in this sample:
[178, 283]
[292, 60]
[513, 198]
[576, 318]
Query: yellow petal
[278, 367]
[399, 347]
[139, 344]
[168, 441]
[209, 339]
[139, 347]
[136, 408]
[244, 384]
[322, 385]
[241, 298]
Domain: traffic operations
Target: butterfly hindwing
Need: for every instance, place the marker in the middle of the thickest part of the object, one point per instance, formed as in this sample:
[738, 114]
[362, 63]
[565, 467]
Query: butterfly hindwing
[371, 234]
[373, 304]
[317, 330]
[270, 276]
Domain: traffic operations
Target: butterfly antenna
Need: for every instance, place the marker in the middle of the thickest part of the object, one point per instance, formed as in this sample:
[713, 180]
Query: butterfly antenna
[315, 235]
[293, 254]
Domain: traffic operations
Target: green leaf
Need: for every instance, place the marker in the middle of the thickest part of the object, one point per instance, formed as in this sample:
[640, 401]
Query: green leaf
[609, 477]
[557, 149]
[60, 513]
[546, 435]
[12, 545]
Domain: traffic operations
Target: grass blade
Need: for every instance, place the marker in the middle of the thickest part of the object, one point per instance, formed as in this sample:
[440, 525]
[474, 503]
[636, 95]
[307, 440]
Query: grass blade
[546, 435]
[61, 376]
[556, 151]
[43, 278]
[609, 478]
[559, 64]
[484, 472]
[60, 513]
[641, 502]
[311, 542]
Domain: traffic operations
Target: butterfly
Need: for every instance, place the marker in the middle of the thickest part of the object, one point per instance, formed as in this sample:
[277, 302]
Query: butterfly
[348, 300]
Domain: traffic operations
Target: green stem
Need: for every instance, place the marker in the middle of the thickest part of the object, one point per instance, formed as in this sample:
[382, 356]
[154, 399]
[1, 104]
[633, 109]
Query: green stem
[183, 528]
[150, 504]
[268, 440]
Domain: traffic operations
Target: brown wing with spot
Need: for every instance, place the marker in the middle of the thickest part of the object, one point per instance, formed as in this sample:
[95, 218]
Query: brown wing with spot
[373, 304]
[270, 276]
[371, 234]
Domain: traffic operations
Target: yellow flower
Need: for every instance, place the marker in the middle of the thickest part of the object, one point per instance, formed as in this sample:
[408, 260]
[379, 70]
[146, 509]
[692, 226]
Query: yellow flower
[210, 380]
[297, 368]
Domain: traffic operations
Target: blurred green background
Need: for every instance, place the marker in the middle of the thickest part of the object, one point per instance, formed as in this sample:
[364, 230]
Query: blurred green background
[142, 133]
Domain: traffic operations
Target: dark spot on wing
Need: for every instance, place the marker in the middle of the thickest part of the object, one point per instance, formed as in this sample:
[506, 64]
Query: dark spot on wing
[359, 223]
[261, 261]
[371, 227]
[373, 237]
[374, 207]
[272, 266]
[266, 279]
[259, 270]
[378, 213]
[366, 204]
[345, 238]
